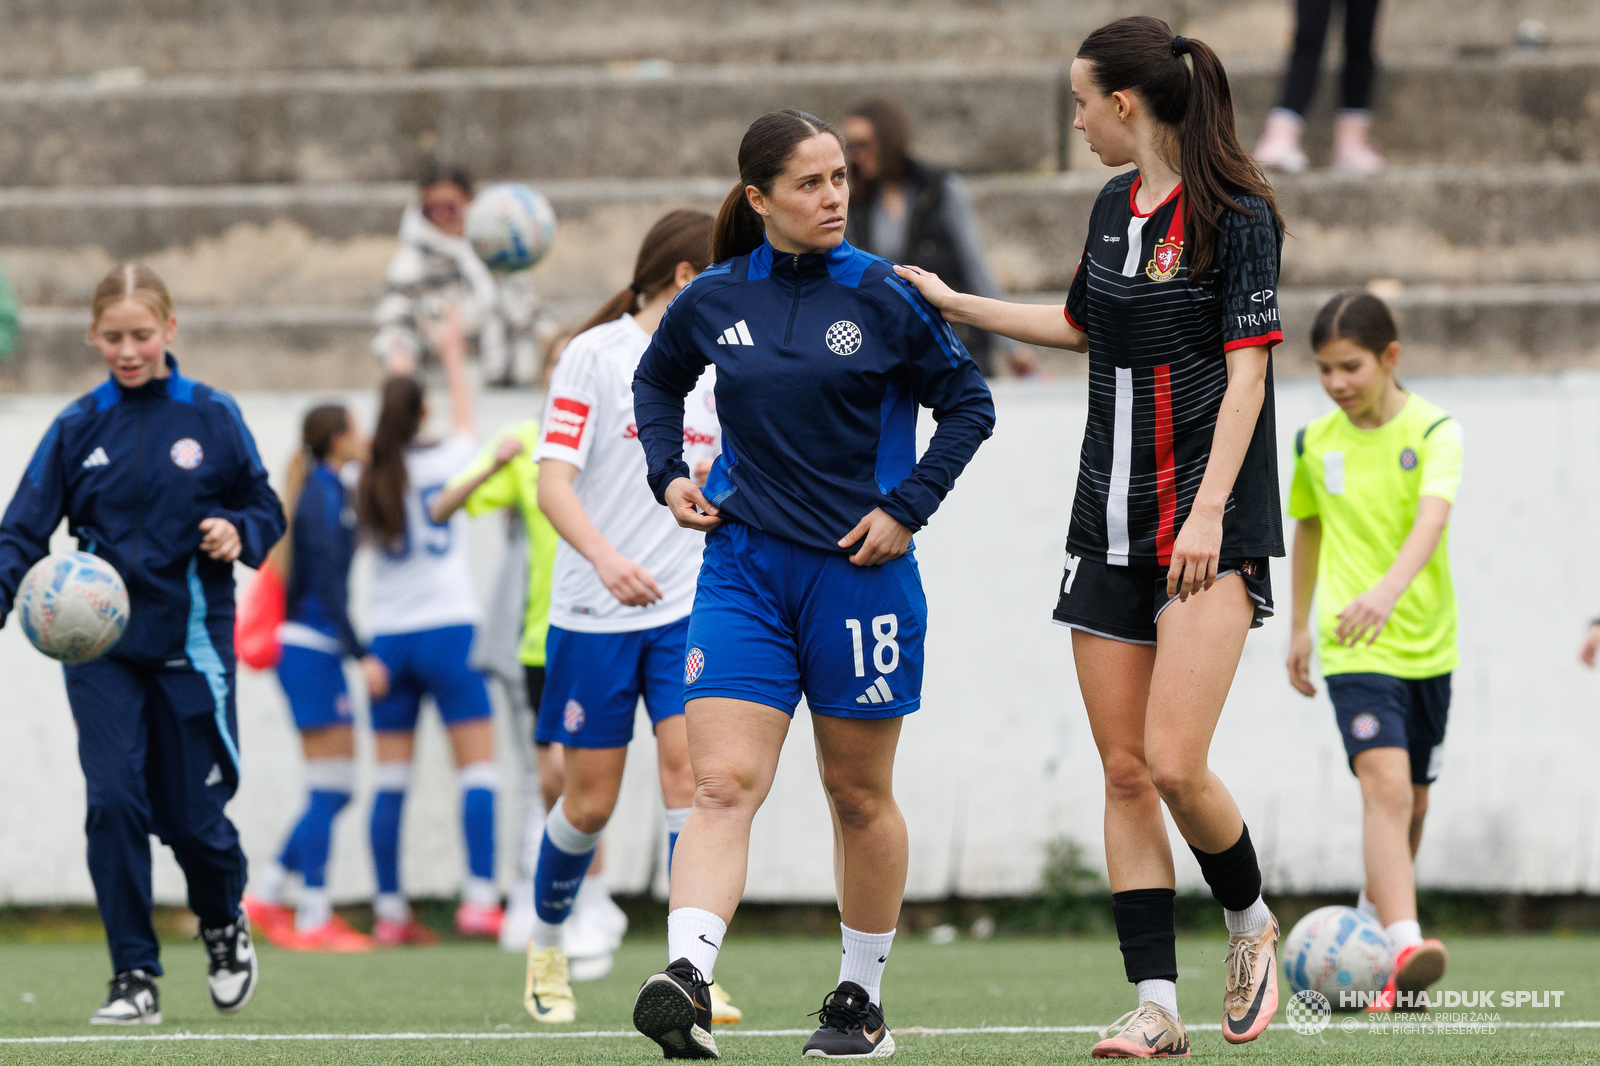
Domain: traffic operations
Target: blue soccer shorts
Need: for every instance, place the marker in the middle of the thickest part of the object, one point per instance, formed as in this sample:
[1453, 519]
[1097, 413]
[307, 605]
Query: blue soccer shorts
[593, 682]
[1380, 711]
[774, 620]
[429, 662]
[314, 682]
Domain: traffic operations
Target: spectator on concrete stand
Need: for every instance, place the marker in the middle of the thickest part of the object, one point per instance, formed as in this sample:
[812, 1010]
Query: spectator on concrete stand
[1279, 147]
[909, 212]
[435, 267]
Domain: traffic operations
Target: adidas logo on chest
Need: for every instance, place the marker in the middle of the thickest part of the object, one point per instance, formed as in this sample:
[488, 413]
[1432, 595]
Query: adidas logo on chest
[98, 457]
[737, 334]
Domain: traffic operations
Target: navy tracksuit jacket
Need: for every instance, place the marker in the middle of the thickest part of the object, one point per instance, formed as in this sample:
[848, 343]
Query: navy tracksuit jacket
[134, 472]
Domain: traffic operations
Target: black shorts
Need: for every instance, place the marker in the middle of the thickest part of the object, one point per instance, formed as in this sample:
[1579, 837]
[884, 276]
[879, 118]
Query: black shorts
[533, 677]
[1379, 711]
[1123, 602]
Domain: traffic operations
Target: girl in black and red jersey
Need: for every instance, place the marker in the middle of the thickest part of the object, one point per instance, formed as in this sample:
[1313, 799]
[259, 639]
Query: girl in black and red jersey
[1177, 506]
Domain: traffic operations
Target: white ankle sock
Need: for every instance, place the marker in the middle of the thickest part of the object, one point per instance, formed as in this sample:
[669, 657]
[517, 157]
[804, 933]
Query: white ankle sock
[546, 934]
[1367, 907]
[479, 891]
[268, 882]
[865, 955]
[695, 935]
[1163, 994]
[1249, 920]
[391, 907]
[313, 909]
[1404, 933]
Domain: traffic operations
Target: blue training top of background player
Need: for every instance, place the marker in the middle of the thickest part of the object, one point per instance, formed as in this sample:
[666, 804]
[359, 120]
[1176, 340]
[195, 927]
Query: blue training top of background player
[822, 361]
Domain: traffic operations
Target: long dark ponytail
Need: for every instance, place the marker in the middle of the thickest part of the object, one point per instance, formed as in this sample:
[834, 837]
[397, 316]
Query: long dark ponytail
[1141, 54]
[681, 236]
[381, 493]
[322, 425]
[764, 152]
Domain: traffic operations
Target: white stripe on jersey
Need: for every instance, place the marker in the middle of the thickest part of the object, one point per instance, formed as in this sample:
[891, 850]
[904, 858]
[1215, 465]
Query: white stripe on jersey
[1130, 265]
[1121, 471]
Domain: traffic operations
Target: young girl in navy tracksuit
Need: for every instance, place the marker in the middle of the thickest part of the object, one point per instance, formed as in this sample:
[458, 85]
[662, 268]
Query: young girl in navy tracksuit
[316, 635]
[158, 475]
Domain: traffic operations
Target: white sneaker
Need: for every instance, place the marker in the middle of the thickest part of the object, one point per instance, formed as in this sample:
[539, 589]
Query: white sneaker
[1352, 148]
[132, 1000]
[1279, 147]
[591, 968]
[233, 968]
[516, 929]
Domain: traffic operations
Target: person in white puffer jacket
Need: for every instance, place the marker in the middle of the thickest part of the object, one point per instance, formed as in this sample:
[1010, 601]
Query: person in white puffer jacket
[434, 267]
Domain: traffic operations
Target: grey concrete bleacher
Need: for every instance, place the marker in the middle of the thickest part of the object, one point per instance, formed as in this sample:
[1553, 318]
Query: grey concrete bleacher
[259, 158]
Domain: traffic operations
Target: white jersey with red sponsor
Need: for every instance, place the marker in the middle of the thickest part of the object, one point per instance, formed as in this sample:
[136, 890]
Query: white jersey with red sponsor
[588, 422]
[425, 582]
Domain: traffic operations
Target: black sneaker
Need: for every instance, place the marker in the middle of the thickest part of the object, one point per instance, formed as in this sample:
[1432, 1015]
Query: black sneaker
[233, 970]
[674, 1010]
[133, 1000]
[851, 1027]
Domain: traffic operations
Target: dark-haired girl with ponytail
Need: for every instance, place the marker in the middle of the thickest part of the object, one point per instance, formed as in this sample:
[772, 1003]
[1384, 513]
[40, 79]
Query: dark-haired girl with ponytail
[1177, 511]
[808, 585]
[423, 613]
[317, 636]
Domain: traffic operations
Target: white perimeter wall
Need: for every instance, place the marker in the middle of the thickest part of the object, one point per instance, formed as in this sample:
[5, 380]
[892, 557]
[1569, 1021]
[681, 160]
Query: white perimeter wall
[1000, 759]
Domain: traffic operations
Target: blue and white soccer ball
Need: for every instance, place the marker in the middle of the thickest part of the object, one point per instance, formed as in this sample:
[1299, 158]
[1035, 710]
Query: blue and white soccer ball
[511, 226]
[1337, 950]
[73, 606]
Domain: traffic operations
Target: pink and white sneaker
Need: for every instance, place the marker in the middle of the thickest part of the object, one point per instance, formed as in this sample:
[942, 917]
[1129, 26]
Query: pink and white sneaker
[391, 934]
[1251, 998]
[479, 920]
[1147, 1032]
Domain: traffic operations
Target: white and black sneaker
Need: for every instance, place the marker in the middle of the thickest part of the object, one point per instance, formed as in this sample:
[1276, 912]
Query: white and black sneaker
[133, 1000]
[233, 969]
[674, 1009]
[851, 1026]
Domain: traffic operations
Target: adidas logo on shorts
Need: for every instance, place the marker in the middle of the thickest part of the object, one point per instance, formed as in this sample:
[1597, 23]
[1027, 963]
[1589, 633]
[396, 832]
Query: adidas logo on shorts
[878, 693]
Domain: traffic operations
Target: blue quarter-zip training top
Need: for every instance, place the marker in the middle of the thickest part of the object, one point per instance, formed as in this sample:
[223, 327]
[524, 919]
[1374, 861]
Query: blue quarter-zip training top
[135, 471]
[822, 361]
[319, 569]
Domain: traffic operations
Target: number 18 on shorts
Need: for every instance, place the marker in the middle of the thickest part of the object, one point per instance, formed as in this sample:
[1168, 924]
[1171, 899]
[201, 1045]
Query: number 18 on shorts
[775, 620]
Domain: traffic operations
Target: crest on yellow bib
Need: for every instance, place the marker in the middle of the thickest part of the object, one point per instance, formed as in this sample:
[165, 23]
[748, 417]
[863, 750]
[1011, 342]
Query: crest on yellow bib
[1163, 266]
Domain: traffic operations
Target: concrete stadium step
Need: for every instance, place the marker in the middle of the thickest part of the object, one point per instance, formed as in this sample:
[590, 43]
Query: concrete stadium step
[1444, 330]
[687, 121]
[48, 38]
[256, 245]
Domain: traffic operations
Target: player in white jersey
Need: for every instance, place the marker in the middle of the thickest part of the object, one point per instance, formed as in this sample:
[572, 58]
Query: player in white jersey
[624, 584]
[422, 616]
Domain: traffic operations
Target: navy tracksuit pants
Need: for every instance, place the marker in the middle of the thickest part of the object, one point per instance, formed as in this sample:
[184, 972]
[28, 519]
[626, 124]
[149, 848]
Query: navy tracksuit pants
[159, 754]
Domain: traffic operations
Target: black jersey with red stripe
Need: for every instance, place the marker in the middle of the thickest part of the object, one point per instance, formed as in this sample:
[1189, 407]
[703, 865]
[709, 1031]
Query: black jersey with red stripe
[1157, 373]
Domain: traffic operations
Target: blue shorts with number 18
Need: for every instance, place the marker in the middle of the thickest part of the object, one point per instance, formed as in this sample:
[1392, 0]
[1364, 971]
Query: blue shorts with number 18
[774, 620]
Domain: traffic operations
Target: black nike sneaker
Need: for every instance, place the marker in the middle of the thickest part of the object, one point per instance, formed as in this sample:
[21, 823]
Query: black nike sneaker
[233, 970]
[851, 1026]
[132, 1000]
[674, 1009]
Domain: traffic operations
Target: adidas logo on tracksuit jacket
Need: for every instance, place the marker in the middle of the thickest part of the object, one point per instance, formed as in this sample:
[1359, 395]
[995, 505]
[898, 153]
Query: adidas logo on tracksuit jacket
[822, 363]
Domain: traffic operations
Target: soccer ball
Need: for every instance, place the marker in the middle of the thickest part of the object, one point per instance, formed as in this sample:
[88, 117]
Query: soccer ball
[1334, 950]
[511, 226]
[73, 605]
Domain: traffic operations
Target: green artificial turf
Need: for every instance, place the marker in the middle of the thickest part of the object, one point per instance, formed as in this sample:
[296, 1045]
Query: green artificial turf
[48, 990]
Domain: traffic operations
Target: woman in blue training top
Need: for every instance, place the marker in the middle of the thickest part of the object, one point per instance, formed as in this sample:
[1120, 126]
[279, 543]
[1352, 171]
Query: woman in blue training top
[157, 474]
[316, 635]
[807, 588]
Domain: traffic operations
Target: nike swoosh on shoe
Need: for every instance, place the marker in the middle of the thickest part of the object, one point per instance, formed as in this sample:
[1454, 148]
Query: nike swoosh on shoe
[1244, 1024]
[1152, 1041]
[540, 1007]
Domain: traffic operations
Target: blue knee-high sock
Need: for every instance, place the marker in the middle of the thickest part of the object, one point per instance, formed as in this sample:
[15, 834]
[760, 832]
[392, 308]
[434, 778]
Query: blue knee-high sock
[386, 806]
[564, 856]
[478, 783]
[316, 835]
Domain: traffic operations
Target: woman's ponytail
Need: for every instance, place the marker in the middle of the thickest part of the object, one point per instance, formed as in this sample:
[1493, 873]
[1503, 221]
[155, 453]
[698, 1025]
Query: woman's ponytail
[763, 153]
[381, 493]
[1142, 54]
[681, 236]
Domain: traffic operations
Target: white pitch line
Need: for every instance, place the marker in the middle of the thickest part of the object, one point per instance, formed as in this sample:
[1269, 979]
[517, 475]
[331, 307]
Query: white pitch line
[984, 1030]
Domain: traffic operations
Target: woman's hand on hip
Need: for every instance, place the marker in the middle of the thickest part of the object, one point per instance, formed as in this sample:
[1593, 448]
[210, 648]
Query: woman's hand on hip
[1195, 554]
[690, 506]
[221, 540]
[376, 675]
[882, 539]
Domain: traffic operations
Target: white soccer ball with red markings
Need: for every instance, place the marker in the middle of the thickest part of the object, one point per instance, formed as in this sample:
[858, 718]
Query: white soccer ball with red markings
[73, 606]
[1337, 950]
[511, 226]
